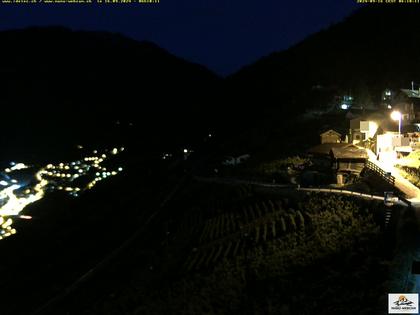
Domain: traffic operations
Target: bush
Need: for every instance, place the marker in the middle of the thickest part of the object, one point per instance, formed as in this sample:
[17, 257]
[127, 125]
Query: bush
[279, 166]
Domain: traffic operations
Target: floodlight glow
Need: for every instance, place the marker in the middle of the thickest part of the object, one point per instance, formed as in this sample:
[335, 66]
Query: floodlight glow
[395, 115]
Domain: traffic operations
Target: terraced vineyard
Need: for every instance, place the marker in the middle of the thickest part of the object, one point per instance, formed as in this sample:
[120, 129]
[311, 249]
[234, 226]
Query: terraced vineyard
[226, 232]
[253, 250]
[225, 235]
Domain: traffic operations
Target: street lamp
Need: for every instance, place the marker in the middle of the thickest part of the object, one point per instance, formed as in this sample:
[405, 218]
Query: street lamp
[396, 115]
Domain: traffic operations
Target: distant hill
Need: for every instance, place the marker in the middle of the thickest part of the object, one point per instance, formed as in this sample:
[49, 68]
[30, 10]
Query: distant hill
[59, 83]
[56, 82]
[376, 47]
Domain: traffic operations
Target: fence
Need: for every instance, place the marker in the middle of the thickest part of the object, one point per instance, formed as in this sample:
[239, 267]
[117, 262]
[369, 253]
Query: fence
[379, 171]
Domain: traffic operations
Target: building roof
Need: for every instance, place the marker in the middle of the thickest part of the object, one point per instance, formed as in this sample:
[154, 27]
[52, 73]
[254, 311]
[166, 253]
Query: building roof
[349, 152]
[331, 131]
[411, 93]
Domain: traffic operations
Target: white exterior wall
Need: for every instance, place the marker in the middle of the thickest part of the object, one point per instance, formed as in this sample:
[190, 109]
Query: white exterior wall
[384, 143]
[400, 141]
[369, 128]
[389, 142]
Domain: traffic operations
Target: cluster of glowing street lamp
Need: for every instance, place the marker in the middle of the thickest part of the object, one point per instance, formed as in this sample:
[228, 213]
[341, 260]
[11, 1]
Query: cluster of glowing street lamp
[15, 196]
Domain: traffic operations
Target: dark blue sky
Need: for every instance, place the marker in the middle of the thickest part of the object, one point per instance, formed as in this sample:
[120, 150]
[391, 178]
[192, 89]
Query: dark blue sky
[223, 35]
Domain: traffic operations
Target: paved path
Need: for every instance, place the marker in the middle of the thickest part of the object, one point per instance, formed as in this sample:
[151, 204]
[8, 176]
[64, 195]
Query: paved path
[408, 241]
[411, 191]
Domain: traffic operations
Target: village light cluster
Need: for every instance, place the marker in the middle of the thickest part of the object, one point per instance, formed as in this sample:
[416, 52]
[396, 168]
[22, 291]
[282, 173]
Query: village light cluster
[15, 195]
[63, 175]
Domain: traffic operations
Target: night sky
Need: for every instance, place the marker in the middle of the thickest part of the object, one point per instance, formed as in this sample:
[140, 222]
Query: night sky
[223, 35]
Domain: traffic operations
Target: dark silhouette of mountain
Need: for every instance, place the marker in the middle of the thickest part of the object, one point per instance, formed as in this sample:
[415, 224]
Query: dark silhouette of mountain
[374, 48]
[59, 83]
